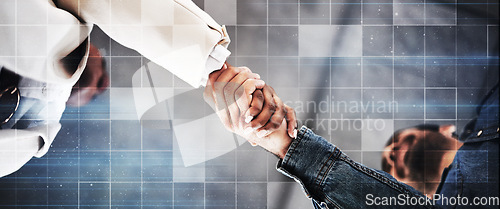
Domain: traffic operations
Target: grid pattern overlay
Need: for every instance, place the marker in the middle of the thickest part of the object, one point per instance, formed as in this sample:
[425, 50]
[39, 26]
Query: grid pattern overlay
[354, 70]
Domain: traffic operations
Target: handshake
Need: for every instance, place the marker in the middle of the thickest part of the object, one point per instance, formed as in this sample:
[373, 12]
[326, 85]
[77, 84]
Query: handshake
[251, 109]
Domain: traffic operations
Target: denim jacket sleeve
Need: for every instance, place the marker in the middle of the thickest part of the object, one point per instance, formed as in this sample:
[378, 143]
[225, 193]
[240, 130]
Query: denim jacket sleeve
[333, 180]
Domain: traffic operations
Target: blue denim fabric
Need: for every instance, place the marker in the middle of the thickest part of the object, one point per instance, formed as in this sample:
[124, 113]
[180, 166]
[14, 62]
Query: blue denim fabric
[333, 180]
[474, 171]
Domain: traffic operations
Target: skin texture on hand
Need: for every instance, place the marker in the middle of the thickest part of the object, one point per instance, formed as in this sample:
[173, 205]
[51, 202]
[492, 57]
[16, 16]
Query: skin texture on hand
[245, 104]
[220, 90]
[251, 109]
[277, 142]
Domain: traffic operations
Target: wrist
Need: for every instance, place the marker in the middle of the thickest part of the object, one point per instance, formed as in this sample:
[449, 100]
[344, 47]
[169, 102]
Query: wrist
[282, 152]
[277, 142]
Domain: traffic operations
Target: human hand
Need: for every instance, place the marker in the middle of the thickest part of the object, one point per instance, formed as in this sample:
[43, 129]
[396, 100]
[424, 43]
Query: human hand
[270, 117]
[245, 104]
[221, 87]
[277, 142]
[93, 81]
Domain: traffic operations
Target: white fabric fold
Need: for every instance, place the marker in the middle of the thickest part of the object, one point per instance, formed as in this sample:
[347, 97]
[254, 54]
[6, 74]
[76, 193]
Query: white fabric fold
[17, 146]
[215, 61]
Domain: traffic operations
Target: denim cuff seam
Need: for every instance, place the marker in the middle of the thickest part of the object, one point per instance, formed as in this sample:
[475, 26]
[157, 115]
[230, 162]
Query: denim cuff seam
[293, 146]
[332, 201]
[282, 170]
[327, 166]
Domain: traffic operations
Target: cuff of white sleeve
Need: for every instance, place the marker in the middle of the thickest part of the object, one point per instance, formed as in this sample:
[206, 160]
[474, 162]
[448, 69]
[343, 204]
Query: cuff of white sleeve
[215, 61]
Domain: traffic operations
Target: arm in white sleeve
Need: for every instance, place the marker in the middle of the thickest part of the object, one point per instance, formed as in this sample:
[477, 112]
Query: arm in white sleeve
[18, 146]
[215, 61]
[35, 45]
[175, 34]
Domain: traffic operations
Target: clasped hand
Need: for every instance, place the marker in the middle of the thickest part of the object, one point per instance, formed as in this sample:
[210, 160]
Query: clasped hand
[250, 108]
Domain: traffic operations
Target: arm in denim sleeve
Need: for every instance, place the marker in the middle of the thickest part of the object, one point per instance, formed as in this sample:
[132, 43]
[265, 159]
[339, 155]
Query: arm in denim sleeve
[330, 177]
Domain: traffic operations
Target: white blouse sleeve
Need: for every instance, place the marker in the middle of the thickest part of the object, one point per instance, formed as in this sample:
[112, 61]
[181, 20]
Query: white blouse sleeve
[175, 34]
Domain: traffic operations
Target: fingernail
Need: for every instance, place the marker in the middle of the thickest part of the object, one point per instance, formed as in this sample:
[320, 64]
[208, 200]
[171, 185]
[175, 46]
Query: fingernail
[248, 130]
[262, 133]
[295, 133]
[248, 119]
[253, 144]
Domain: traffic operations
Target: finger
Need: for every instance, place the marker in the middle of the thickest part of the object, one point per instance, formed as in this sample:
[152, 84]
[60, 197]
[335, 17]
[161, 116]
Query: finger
[230, 90]
[220, 101]
[243, 96]
[276, 119]
[291, 120]
[208, 94]
[213, 76]
[255, 106]
[267, 112]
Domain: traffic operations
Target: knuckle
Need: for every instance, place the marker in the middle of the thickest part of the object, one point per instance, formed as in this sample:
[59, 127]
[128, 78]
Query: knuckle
[267, 89]
[279, 108]
[247, 88]
[227, 91]
[231, 85]
[274, 125]
[283, 111]
[234, 69]
[218, 88]
[262, 123]
[254, 124]
[245, 69]
[253, 111]
[240, 91]
[271, 106]
[237, 70]
[258, 123]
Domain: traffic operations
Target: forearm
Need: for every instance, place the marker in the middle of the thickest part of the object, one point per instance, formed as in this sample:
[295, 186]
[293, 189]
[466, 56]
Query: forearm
[330, 176]
[177, 35]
